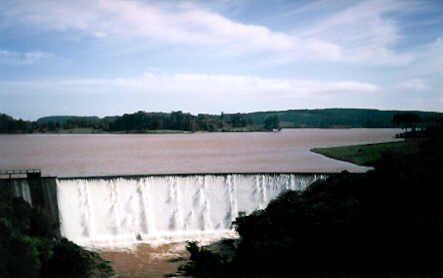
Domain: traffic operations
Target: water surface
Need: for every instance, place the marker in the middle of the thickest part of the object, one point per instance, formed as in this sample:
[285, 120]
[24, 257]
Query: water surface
[110, 154]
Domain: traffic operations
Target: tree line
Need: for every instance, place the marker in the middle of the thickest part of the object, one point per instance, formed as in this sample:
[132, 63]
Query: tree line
[142, 121]
[139, 122]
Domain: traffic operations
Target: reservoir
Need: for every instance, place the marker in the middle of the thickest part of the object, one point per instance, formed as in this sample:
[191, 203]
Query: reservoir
[118, 191]
[68, 155]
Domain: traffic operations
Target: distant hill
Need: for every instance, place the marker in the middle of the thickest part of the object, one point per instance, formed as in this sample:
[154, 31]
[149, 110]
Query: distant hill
[65, 119]
[314, 118]
[337, 117]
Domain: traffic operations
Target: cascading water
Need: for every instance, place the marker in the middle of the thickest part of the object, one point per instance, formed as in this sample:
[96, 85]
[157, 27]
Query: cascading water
[121, 212]
[21, 189]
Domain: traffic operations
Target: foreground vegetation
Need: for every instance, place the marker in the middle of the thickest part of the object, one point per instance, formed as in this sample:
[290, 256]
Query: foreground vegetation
[370, 154]
[144, 122]
[383, 223]
[30, 246]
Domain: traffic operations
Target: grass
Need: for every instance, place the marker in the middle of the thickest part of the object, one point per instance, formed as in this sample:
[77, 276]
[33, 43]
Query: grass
[163, 131]
[367, 155]
[77, 130]
[89, 130]
[285, 124]
[146, 131]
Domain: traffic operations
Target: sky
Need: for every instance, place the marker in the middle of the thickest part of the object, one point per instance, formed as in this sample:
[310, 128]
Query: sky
[109, 57]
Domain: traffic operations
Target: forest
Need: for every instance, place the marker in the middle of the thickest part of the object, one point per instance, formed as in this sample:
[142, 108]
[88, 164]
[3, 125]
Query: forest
[140, 122]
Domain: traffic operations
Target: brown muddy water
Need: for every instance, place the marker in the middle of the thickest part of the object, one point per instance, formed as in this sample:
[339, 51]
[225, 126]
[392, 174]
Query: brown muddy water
[110, 154]
[147, 261]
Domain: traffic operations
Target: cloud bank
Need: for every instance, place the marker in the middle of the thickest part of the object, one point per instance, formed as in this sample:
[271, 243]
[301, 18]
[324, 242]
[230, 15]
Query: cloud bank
[359, 33]
[199, 57]
[22, 58]
[183, 24]
[198, 84]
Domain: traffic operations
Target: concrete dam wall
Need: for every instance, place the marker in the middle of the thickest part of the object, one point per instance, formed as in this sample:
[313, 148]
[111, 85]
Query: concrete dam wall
[119, 212]
[37, 191]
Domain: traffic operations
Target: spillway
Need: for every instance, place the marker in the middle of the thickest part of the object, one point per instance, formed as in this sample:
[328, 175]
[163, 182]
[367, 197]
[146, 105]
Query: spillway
[118, 212]
[20, 188]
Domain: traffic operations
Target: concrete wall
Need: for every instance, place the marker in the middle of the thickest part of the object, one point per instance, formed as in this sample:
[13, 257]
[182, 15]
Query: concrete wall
[37, 191]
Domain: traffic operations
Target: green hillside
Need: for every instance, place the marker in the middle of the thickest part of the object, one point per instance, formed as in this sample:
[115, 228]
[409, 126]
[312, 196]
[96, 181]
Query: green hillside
[330, 118]
[65, 119]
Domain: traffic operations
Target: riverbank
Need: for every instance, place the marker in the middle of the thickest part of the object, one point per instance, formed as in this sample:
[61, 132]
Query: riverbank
[179, 131]
[368, 154]
[145, 131]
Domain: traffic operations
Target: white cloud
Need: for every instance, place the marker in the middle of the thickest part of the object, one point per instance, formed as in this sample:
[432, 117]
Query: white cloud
[413, 84]
[196, 93]
[364, 32]
[199, 84]
[429, 59]
[21, 58]
[183, 24]
[424, 73]
[204, 93]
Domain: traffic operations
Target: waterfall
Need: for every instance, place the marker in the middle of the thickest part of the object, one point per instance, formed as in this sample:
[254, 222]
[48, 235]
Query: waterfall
[21, 189]
[123, 211]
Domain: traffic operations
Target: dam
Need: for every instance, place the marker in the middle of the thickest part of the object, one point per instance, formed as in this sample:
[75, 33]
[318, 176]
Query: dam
[193, 185]
[121, 211]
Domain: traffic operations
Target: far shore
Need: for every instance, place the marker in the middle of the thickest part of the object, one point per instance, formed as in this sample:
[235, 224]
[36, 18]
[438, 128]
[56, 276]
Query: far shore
[174, 131]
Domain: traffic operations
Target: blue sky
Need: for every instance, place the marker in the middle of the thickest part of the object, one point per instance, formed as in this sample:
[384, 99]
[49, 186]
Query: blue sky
[108, 57]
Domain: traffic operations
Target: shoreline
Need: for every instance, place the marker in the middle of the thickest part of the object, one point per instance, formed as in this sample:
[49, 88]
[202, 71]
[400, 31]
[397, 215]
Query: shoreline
[367, 154]
[161, 131]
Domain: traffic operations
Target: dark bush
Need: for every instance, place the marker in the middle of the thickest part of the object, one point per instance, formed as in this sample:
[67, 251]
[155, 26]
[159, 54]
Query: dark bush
[19, 255]
[68, 259]
[204, 263]
[374, 224]
[29, 246]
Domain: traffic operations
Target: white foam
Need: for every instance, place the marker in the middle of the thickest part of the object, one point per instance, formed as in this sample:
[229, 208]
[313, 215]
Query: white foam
[123, 212]
[21, 189]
